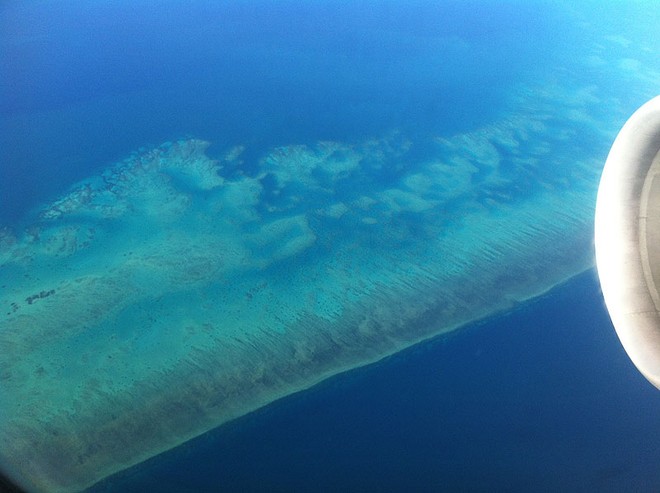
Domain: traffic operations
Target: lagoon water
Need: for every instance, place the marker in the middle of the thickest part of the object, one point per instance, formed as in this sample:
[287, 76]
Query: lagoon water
[337, 246]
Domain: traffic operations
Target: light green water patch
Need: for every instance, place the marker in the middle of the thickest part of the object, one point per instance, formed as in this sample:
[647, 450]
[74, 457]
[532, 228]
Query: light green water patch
[164, 298]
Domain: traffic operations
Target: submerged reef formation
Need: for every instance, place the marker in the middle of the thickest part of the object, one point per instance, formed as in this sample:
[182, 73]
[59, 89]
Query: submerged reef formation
[174, 292]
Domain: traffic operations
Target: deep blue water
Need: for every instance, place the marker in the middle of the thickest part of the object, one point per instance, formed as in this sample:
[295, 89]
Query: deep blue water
[83, 85]
[540, 399]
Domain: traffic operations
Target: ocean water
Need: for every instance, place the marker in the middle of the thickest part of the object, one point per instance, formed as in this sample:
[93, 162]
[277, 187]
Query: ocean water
[540, 399]
[328, 246]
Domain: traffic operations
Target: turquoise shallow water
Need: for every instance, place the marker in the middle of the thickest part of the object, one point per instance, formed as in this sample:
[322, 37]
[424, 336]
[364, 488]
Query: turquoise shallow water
[208, 209]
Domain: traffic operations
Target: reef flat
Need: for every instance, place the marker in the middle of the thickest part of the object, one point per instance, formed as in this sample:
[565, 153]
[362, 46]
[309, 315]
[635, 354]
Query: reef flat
[175, 292]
